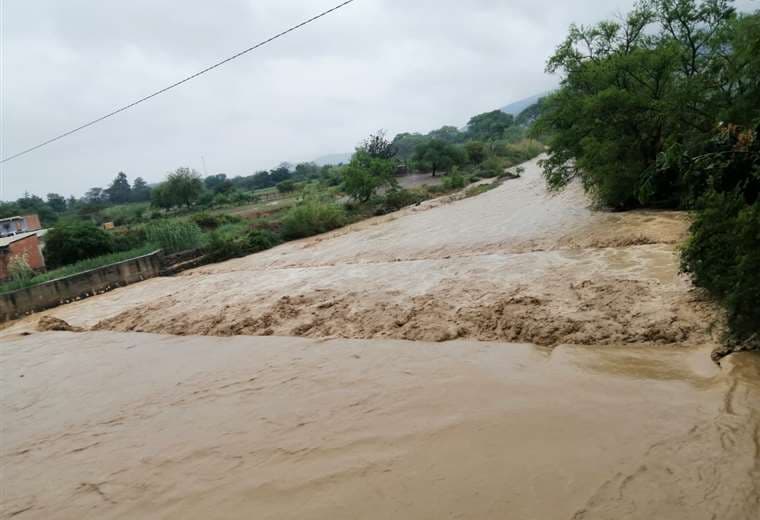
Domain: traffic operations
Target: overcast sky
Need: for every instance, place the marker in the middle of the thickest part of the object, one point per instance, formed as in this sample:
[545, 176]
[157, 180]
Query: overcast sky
[401, 65]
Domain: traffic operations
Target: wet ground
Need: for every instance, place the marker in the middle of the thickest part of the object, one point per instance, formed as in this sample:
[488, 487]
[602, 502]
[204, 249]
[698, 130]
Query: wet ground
[560, 368]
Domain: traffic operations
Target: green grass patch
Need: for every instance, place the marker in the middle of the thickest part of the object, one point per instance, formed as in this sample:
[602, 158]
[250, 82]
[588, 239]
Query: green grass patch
[174, 236]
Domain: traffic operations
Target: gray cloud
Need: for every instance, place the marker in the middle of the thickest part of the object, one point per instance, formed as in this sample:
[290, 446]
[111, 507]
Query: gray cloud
[393, 64]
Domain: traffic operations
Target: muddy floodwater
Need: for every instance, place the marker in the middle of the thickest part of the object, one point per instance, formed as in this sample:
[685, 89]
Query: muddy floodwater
[511, 355]
[108, 425]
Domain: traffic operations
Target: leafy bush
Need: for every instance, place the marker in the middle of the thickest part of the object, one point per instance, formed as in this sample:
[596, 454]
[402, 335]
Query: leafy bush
[233, 241]
[223, 246]
[723, 255]
[124, 214]
[209, 221]
[128, 239]
[174, 236]
[394, 200]
[455, 180]
[491, 167]
[286, 187]
[521, 151]
[262, 239]
[74, 240]
[312, 217]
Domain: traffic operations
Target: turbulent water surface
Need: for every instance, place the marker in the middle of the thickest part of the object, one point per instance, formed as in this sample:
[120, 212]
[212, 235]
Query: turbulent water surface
[511, 355]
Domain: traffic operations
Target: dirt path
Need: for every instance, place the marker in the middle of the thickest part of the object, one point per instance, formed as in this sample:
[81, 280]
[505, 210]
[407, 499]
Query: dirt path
[513, 264]
[121, 426]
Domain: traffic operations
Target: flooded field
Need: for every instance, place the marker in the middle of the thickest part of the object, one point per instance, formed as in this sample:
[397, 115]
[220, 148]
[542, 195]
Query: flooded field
[510, 355]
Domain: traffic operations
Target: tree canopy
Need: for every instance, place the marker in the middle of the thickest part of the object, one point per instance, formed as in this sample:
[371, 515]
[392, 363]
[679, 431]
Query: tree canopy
[119, 192]
[489, 125]
[437, 156]
[638, 94]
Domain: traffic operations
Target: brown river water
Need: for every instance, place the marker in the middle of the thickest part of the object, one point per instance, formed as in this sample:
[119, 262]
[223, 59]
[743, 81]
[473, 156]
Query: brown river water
[511, 355]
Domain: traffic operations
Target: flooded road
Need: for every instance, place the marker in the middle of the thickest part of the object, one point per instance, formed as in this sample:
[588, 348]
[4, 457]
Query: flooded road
[120, 426]
[511, 355]
[514, 264]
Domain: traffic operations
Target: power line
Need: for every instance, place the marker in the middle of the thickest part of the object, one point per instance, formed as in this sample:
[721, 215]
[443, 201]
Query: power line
[178, 83]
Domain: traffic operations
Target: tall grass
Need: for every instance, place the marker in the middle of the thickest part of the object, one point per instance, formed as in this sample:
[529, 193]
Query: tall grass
[312, 217]
[76, 268]
[174, 236]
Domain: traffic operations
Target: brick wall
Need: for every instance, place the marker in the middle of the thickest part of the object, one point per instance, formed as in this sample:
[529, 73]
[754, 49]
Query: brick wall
[29, 245]
[32, 222]
[89, 283]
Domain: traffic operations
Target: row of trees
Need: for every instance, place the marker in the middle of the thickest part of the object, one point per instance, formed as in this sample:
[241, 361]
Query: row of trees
[487, 127]
[662, 109]
[485, 136]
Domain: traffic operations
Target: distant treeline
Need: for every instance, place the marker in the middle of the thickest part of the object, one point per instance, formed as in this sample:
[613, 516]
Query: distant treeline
[492, 139]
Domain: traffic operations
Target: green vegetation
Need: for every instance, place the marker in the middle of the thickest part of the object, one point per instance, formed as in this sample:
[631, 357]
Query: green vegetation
[662, 110]
[174, 236]
[455, 180]
[489, 126]
[182, 188]
[436, 156]
[19, 268]
[74, 240]
[366, 174]
[397, 199]
[312, 217]
[225, 217]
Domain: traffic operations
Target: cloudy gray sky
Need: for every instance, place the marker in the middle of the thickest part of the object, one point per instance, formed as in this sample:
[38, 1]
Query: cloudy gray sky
[402, 65]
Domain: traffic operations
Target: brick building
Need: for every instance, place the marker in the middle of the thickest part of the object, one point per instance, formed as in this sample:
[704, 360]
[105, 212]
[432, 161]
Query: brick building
[16, 225]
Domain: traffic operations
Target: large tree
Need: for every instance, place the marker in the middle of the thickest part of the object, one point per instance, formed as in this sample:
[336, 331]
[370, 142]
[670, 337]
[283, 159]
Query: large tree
[638, 94]
[140, 190]
[119, 192]
[56, 202]
[436, 156]
[182, 187]
[366, 174]
[378, 146]
[489, 125]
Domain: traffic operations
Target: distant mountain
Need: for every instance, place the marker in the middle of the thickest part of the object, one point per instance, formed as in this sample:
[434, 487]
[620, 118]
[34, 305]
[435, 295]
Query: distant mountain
[333, 158]
[518, 106]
